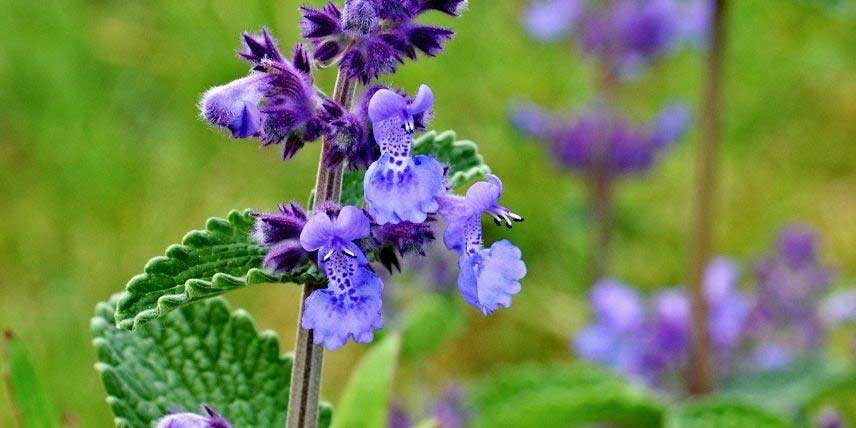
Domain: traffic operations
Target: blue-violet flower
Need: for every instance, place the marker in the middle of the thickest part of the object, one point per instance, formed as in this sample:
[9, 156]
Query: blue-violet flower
[350, 306]
[400, 187]
[210, 419]
[488, 278]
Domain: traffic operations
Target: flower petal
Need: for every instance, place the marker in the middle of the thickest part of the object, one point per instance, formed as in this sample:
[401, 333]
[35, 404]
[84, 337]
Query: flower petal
[234, 106]
[403, 189]
[485, 195]
[386, 104]
[490, 279]
[352, 224]
[424, 100]
[317, 233]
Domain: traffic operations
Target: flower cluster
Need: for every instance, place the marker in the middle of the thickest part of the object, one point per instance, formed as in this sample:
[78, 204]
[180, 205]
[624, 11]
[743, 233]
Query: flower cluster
[371, 37]
[600, 141]
[277, 102]
[404, 195]
[785, 320]
[647, 340]
[209, 419]
[626, 35]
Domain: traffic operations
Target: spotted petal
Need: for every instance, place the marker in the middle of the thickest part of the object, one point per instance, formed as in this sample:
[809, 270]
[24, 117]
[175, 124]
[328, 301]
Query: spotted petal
[403, 188]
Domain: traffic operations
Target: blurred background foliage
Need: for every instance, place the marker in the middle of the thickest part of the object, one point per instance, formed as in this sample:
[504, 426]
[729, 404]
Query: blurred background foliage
[104, 162]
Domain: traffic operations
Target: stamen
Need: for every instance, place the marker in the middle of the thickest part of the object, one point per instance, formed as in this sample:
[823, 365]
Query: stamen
[497, 220]
[349, 253]
[328, 255]
[515, 217]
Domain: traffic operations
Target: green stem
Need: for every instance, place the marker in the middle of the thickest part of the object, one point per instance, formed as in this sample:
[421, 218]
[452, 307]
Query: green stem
[701, 372]
[308, 357]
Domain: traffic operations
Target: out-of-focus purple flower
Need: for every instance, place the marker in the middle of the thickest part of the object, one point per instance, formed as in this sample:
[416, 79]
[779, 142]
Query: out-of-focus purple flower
[488, 278]
[280, 232]
[371, 37]
[838, 307]
[450, 410]
[532, 120]
[350, 306]
[397, 416]
[671, 124]
[829, 417]
[648, 340]
[787, 318]
[551, 20]
[598, 141]
[275, 103]
[400, 187]
[617, 336]
[626, 35]
[209, 419]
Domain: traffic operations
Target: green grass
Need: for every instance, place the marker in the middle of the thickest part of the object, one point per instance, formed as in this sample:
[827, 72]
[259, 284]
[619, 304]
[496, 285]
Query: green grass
[104, 162]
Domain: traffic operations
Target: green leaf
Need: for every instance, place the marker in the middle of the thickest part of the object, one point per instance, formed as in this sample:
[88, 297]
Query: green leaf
[30, 401]
[795, 385]
[562, 396]
[431, 321]
[462, 157]
[366, 397]
[724, 414]
[198, 354]
[207, 263]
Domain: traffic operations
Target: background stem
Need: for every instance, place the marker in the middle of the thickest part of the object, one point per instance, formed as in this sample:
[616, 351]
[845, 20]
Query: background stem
[700, 375]
[308, 357]
[600, 206]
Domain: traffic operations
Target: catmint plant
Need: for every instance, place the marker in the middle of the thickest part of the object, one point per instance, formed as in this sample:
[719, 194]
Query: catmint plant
[601, 143]
[381, 195]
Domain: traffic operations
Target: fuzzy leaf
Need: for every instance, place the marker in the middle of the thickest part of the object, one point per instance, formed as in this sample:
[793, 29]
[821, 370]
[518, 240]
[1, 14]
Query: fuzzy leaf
[29, 399]
[462, 157]
[198, 354]
[561, 396]
[723, 414]
[365, 400]
[207, 263]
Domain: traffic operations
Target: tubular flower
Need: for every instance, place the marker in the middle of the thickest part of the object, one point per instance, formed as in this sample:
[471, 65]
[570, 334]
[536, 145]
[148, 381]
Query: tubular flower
[350, 306]
[275, 103]
[488, 278]
[371, 37]
[400, 187]
[210, 419]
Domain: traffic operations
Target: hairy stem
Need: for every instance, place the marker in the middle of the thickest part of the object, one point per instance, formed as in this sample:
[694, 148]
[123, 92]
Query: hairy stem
[701, 372]
[308, 357]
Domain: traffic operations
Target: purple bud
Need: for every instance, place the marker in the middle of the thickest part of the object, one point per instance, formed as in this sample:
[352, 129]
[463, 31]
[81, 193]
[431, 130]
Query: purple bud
[320, 23]
[280, 233]
[829, 418]
[797, 244]
[359, 18]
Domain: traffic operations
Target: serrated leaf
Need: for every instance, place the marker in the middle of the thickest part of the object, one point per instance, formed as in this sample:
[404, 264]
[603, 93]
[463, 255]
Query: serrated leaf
[366, 398]
[795, 385]
[29, 399]
[462, 157]
[201, 353]
[723, 414]
[562, 396]
[207, 263]
[431, 321]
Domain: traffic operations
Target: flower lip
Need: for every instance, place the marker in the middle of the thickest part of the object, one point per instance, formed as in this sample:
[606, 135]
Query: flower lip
[387, 104]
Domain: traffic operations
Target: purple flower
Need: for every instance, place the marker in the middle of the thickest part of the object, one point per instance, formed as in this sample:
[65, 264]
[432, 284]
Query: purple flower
[788, 318]
[829, 417]
[350, 306]
[275, 103]
[551, 20]
[450, 409]
[280, 232]
[599, 141]
[488, 278]
[839, 307]
[397, 416]
[400, 187]
[210, 419]
[371, 37]
[616, 338]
